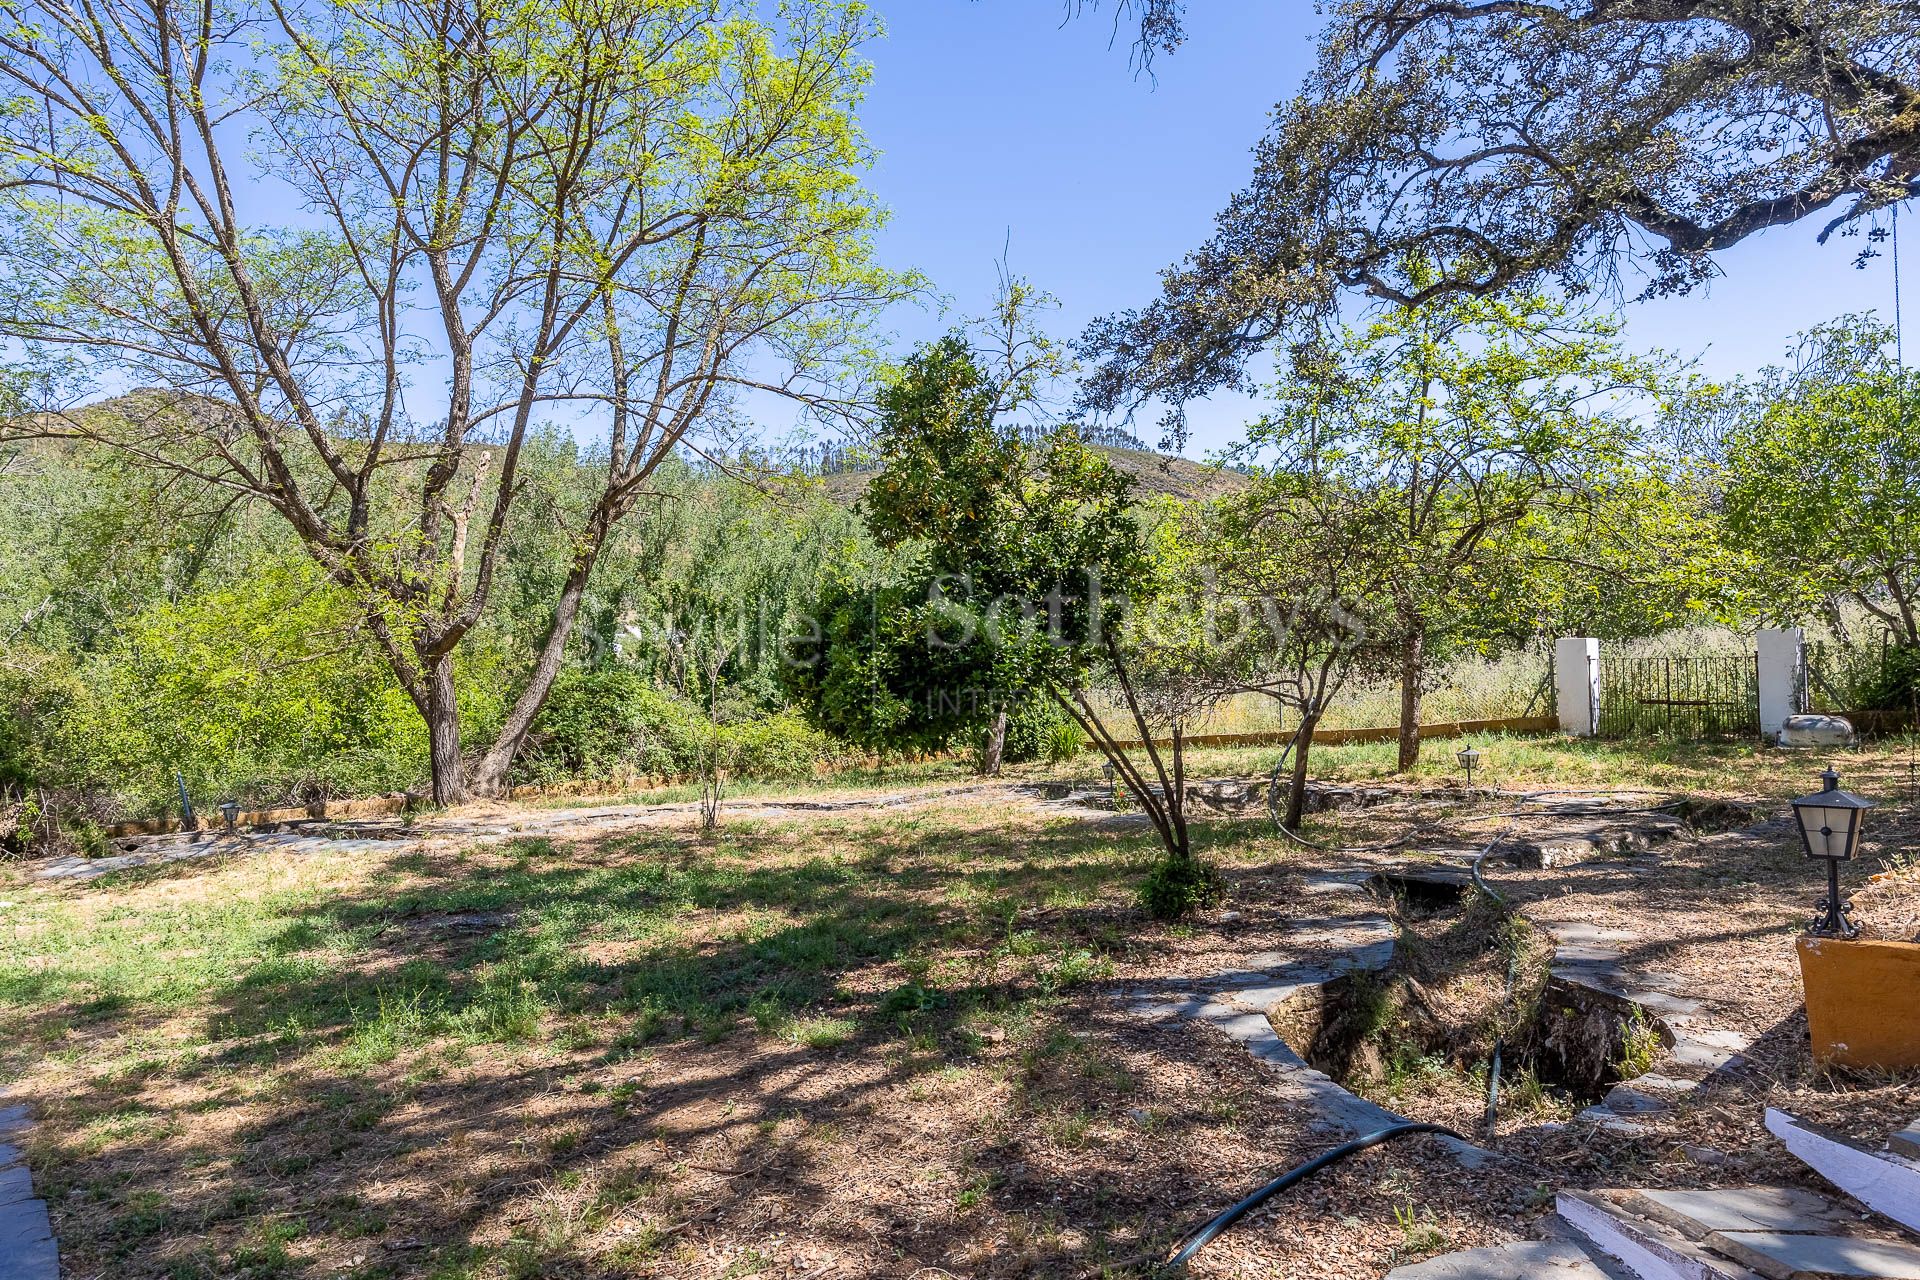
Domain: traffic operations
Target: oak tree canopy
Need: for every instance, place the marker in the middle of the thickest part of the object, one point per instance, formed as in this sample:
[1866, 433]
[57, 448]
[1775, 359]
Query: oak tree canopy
[1606, 146]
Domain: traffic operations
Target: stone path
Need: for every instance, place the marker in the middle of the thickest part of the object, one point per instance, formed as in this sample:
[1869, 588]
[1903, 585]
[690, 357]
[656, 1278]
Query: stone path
[1586, 959]
[1887, 1182]
[1751, 1233]
[360, 835]
[27, 1250]
[1756, 1233]
[1313, 952]
[1780, 1233]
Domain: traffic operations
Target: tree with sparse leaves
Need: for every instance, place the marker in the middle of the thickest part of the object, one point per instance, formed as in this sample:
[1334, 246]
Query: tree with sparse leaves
[1457, 425]
[629, 212]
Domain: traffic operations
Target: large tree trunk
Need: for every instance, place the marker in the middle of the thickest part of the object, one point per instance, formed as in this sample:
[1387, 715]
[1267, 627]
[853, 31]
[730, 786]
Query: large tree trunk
[1297, 785]
[490, 774]
[996, 745]
[443, 734]
[1413, 654]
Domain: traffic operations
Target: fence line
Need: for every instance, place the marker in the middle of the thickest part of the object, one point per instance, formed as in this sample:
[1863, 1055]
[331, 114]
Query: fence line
[1382, 733]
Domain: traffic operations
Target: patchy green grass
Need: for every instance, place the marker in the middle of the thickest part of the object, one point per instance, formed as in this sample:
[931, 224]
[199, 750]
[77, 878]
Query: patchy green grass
[546, 1057]
[258, 1030]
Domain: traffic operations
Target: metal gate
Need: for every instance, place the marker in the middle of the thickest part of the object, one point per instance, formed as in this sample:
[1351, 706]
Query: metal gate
[1685, 699]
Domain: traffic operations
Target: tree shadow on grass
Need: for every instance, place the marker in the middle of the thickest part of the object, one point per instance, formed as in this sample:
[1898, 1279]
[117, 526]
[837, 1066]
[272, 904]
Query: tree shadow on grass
[341, 1001]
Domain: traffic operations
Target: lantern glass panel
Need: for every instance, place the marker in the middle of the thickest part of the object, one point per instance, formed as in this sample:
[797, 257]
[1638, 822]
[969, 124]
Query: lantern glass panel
[1828, 829]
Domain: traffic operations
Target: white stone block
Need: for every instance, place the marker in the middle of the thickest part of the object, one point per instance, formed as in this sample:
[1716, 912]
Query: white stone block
[1884, 1182]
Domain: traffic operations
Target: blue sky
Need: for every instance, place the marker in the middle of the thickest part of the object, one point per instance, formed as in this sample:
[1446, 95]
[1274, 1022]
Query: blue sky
[1001, 125]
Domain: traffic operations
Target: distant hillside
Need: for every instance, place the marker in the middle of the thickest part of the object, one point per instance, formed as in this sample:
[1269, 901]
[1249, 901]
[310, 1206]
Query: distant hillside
[1154, 475]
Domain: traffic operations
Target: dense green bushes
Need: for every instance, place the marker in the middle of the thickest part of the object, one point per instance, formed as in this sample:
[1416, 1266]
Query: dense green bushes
[1038, 729]
[604, 723]
[152, 629]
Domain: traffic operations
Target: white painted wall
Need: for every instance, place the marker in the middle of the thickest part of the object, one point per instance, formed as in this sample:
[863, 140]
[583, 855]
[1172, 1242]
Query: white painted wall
[1576, 684]
[1780, 650]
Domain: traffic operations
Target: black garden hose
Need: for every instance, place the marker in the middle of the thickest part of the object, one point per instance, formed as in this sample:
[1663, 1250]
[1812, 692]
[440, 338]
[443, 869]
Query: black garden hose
[1199, 1239]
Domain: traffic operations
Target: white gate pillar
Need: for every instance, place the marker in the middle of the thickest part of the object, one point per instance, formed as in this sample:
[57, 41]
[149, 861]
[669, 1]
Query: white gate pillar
[1781, 653]
[1576, 684]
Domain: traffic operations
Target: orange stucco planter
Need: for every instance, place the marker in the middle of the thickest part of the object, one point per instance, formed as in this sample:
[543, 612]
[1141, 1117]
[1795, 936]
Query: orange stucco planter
[1863, 1001]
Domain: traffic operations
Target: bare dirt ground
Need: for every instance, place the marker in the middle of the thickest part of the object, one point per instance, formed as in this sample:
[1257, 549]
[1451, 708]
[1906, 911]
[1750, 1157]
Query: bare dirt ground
[849, 1035]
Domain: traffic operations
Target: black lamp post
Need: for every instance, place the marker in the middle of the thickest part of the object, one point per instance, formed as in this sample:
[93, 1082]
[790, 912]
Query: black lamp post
[1830, 821]
[1112, 799]
[230, 810]
[1468, 758]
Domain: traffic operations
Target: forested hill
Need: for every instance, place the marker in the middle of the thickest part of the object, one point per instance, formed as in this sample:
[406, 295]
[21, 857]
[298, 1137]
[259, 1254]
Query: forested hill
[160, 413]
[1154, 475]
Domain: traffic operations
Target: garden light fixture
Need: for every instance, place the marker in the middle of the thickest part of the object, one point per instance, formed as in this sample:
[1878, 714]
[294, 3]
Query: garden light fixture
[230, 810]
[1468, 758]
[1112, 799]
[1830, 821]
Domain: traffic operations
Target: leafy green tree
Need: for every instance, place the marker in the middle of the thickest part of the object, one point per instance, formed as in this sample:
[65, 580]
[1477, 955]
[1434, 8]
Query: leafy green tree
[954, 632]
[1520, 142]
[1821, 480]
[632, 211]
[1038, 570]
[1453, 425]
[1296, 560]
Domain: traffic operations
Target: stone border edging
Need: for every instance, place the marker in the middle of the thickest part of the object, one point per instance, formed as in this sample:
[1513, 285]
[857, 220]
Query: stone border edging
[27, 1247]
[1237, 1003]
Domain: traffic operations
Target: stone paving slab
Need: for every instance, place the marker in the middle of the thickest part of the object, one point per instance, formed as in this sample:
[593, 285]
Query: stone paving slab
[36, 1260]
[1651, 1250]
[1697, 1214]
[1782, 1256]
[1885, 1182]
[1527, 1260]
[27, 1247]
[1907, 1141]
[22, 1223]
[16, 1184]
[1647, 1094]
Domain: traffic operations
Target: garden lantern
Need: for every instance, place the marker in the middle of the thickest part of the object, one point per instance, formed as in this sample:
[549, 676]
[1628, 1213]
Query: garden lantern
[1830, 821]
[1468, 758]
[230, 810]
[1107, 770]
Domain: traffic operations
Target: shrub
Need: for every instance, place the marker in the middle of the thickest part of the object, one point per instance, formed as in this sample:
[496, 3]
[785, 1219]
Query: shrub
[1064, 741]
[779, 747]
[1176, 886]
[1890, 683]
[599, 723]
[1038, 729]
